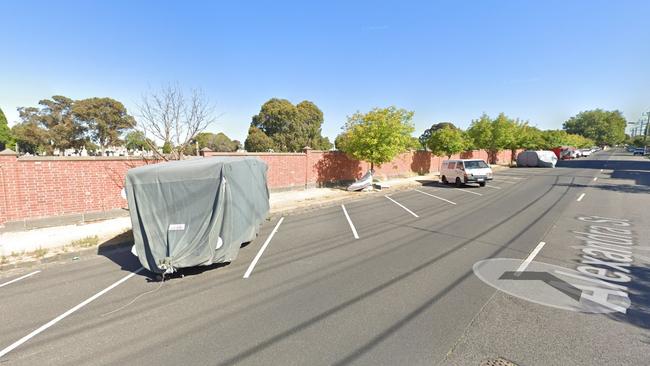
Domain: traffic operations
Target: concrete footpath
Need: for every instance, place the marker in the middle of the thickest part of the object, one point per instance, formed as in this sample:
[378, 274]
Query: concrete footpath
[38, 246]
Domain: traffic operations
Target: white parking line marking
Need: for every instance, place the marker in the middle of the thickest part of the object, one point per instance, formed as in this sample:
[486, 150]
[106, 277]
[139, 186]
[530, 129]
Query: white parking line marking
[506, 182]
[434, 196]
[491, 186]
[601, 170]
[354, 231]
[262, 249]
[402, 206]
[581, 197]
[64, 315]
[19, 278]
[464, 190]
[595, 179]
[532, 255]
[507, 177]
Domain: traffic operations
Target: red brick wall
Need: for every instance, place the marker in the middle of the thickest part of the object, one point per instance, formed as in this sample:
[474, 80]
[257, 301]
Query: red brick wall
[38, 187]
[33, 187]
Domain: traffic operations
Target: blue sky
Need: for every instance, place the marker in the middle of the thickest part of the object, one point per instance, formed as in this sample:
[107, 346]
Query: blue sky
[541, 61]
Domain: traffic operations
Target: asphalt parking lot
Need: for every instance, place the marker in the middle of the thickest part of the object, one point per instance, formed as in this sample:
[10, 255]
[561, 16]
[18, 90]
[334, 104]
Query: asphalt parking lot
[388, 280]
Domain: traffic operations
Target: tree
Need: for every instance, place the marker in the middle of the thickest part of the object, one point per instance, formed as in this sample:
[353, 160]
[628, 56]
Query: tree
[378, 136]
[106, 120]
[603, 127]
[424, 137]
[6, 138]
[553, 138]
[31, 138]
[168, 116]
[494, 135]
[258, 141]
[638, 141]
[55, 118]
[480, 131]
[528, 137]
[216, 142]
[291, 128]
[447, 141]
[136, 140]
[578, 141]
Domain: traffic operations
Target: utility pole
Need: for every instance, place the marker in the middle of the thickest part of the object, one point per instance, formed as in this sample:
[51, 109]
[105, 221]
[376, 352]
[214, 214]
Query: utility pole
[645, 132]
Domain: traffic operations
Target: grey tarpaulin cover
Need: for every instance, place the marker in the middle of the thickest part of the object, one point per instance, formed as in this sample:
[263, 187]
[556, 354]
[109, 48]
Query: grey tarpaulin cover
[540, 158]
[195, 212]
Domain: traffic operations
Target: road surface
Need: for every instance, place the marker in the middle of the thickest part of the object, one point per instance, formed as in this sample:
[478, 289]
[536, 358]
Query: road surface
[430, 276]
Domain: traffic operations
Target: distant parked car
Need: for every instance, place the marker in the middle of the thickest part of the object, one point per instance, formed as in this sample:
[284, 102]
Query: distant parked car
[565, 152]
[585, 152]
[639, 151]
[465, 171]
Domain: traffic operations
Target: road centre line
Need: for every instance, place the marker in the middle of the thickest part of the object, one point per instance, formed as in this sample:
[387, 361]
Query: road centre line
[532, 255]
[580, 198]
[64, 315]
[18, 279]
[402, 206]
[434, 196]
[262, 249]
[464, 190]
[354, 230]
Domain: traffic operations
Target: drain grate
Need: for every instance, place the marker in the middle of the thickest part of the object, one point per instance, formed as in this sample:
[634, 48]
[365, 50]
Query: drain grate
[497, 362]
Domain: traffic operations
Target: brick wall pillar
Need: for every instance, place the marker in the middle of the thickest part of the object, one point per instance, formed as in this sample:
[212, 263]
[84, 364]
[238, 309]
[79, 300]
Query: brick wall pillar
[308, 164]
[8, 160]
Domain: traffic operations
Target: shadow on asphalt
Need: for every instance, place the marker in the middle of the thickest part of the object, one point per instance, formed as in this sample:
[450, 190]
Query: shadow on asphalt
[639, 290]
[437, 184]
[623, 188]
[118, 250]
[638, 314]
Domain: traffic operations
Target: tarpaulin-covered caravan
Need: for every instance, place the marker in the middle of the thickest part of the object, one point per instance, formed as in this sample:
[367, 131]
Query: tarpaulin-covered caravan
[540, 158]
[195, 212]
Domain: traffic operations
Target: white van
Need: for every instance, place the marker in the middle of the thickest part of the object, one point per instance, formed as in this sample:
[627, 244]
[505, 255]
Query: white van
[465, 171]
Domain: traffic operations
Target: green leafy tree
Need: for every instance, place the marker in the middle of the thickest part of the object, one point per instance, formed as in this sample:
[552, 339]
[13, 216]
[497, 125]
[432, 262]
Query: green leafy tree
[504, 131]
[105, 119]
[31, 138]
[378, 136]
[6, 138]
[216, 142]
[339, 141]
[638, 141]
[55, 117]
[136, 140]
[603, 127]
[553, 138]
[447, 141]
[578, 141]
[258, 141]
[529, 137]
[291, 128]
[167, 147]
[480, 131]
[424, 137]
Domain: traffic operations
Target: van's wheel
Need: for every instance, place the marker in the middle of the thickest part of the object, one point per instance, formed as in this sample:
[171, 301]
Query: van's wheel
[444, 179]
[482, 184]
[458, 182]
